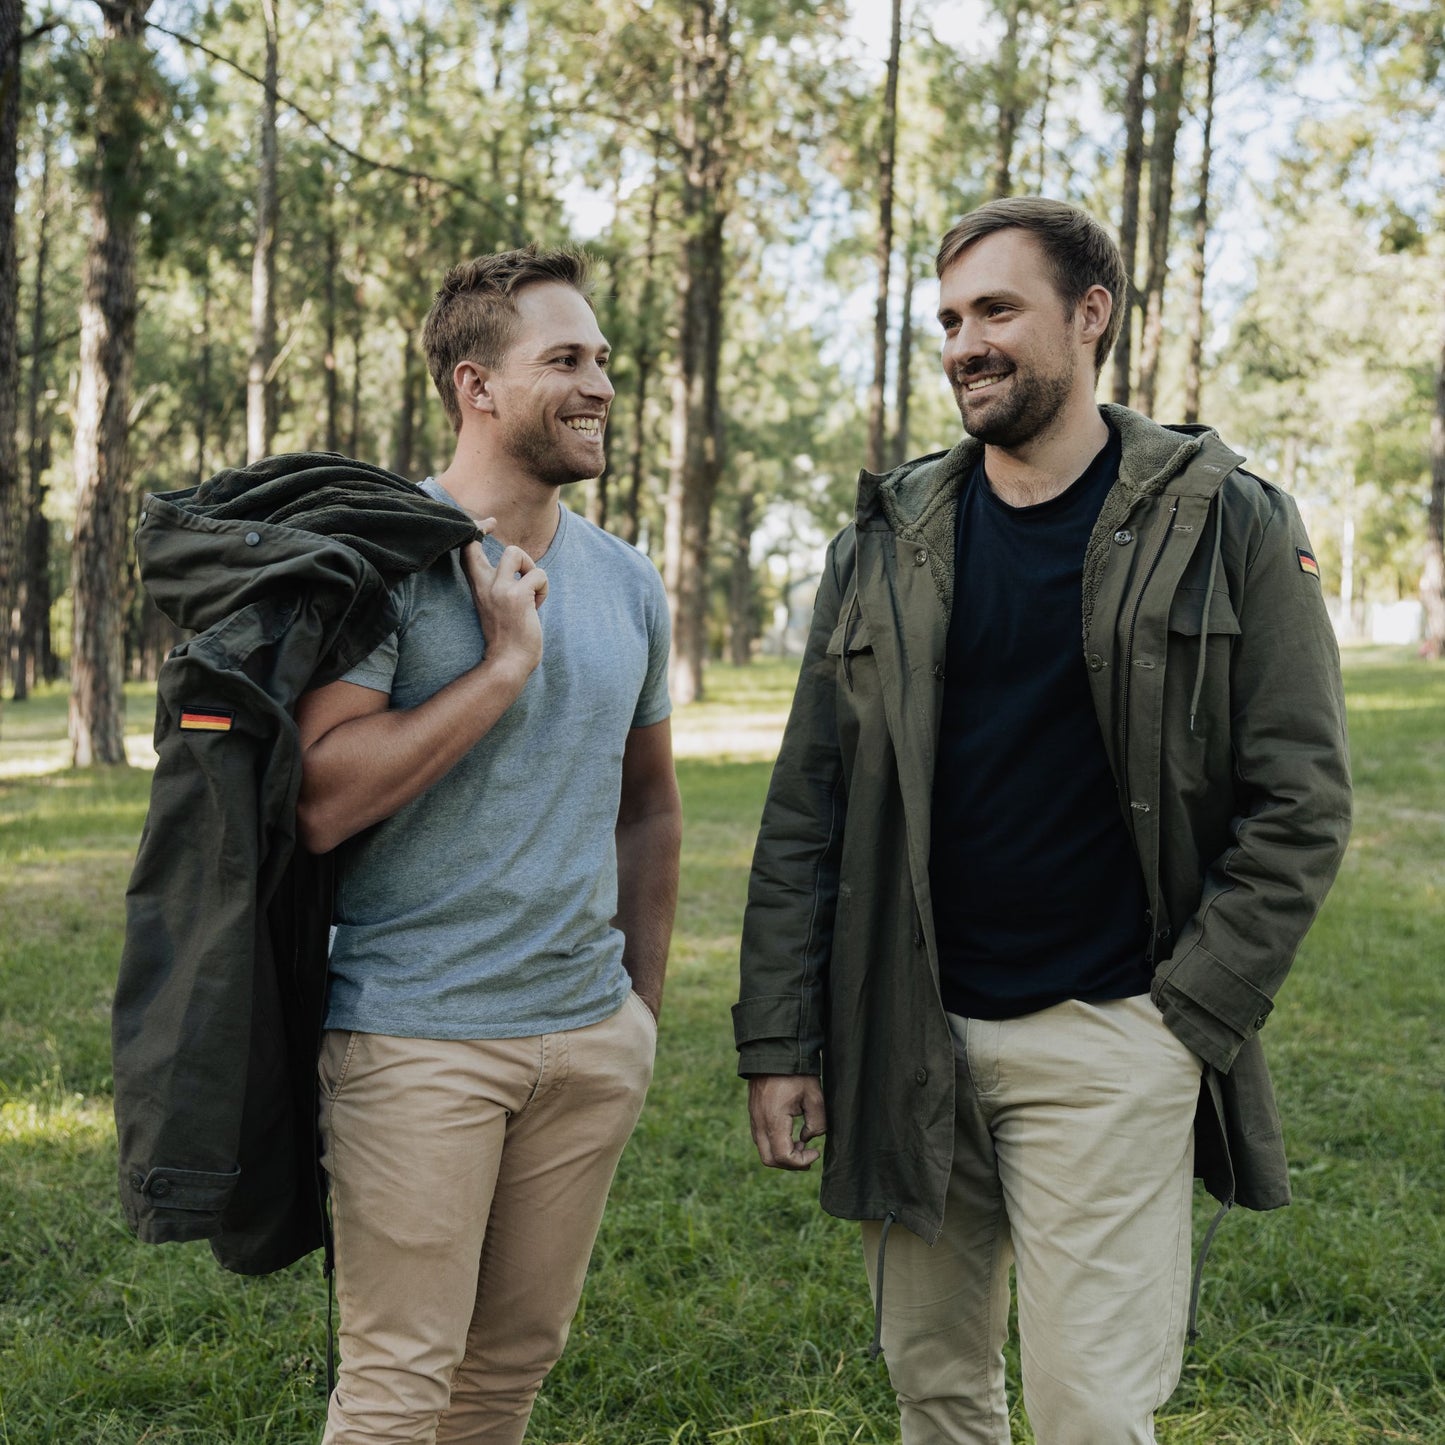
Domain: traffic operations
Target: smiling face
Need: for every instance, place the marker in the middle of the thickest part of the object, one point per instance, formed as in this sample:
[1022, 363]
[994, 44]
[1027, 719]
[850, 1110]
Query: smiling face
[1019, 362]
[550, 395]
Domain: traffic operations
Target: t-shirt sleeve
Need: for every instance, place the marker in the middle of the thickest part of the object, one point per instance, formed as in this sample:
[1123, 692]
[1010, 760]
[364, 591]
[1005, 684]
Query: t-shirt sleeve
[378, 668]
[655, 703]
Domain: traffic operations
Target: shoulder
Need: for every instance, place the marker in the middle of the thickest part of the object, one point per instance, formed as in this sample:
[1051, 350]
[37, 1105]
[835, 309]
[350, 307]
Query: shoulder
[606, 554]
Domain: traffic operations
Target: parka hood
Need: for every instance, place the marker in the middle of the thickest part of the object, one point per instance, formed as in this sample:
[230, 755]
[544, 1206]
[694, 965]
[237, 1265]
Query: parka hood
[917, 500]
[297, 521]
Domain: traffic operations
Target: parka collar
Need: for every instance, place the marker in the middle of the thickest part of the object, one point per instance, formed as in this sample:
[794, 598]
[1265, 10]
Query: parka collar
[918, 500]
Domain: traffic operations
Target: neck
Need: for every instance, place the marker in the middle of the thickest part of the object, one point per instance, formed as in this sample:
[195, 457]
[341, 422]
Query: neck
[1047, 464]
[524, 509]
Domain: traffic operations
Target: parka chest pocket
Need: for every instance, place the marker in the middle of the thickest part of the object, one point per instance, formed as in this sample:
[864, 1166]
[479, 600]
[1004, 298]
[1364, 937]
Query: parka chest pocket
[852, 645]
[1187, 615]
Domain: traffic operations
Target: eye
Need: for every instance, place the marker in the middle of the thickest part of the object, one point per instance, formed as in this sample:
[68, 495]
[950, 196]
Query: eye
[566, 360]
[999, 308]
[604, 362]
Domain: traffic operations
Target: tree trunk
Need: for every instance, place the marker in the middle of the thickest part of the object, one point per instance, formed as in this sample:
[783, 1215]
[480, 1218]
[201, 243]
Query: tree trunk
[333, 381]
[260, 384]
[32, 659]
[630, 528]
[883, 248]
[904, 392]
[403, 450]
[10, 500]
[1168, 101]
[1432, 579]
[701, 92]
[353, 430]
[1008, 103]
[740, 592]
[1133, 180]
[203, 379]
[107, 354]
[1194, 368]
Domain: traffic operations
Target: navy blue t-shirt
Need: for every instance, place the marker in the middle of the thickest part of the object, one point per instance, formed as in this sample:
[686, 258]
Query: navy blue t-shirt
[1037, 892]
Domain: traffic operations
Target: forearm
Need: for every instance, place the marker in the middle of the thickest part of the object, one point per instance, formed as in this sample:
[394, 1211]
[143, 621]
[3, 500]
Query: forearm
[369, 767]
[648, 850]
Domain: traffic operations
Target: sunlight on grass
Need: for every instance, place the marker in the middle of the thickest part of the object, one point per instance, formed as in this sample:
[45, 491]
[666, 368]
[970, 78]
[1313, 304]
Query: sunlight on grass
[72, 1119]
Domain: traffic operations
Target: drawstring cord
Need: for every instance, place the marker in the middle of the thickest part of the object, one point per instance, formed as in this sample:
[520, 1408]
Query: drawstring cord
[1204, 617]
[876, 1348]
[1192, 1332]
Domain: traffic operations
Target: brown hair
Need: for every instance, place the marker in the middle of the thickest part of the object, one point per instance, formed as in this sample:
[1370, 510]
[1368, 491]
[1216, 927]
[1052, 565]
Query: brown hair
[474, 315]
[1079, 251]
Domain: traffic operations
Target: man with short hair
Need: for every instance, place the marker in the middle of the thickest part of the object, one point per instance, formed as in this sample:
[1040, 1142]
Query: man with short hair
[497, 779]
[1064, 784]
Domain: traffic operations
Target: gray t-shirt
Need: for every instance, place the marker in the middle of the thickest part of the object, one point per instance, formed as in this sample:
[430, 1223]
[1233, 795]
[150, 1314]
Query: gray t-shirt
[482, 909]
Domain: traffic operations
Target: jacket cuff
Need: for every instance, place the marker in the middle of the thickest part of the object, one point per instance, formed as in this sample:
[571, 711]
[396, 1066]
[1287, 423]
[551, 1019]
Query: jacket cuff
[766, 1016]
[167, 1205]
[1215, 1030]
[774, 1056]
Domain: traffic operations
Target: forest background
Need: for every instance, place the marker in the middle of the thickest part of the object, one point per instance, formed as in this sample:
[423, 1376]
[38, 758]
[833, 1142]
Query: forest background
[221, 226]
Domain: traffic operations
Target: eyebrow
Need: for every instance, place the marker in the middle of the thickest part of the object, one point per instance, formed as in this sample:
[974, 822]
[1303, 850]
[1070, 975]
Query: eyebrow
[1011, 298]
[577, 348]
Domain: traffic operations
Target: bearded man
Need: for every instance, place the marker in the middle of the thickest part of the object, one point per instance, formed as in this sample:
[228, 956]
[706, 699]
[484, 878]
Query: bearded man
[497, 781]
[1064, 784]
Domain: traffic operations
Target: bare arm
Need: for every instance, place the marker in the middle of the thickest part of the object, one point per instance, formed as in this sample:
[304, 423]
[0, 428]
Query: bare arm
[649, 839]
[362, 761]
[774, 1101]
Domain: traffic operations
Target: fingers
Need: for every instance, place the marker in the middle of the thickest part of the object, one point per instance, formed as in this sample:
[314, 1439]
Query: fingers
[774, 1102]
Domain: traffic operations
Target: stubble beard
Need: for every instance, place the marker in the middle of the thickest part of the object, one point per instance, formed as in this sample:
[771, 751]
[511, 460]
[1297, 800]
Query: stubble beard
[534, 450]
[1034, 404]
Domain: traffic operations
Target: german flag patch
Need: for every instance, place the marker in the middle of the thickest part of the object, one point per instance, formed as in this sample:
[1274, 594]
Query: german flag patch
[207, 719]
[1307, 562]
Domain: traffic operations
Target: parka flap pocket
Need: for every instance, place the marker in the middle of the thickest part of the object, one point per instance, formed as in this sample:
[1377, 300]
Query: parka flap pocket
[1186, 612]
[850, 637]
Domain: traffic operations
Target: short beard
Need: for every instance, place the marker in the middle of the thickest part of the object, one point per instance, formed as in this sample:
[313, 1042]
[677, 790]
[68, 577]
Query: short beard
[532, 449]
[1034, 407]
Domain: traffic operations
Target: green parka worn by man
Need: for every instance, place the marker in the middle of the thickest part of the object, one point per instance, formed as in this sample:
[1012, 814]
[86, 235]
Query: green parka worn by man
[1216, 683]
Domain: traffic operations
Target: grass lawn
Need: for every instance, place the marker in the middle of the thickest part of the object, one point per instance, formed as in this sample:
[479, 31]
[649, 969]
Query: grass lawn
[723, 1306]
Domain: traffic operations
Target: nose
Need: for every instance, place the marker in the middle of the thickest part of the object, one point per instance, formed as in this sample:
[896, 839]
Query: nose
[595, 382]
[963, 345]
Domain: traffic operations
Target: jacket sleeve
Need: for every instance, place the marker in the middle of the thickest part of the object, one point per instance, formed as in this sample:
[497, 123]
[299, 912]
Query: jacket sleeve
[1292, 786]
[793, 890]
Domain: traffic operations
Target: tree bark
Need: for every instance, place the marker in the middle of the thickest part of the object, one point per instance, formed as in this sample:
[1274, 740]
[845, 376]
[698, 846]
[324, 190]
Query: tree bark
[1132, 184]
[702, 95]
[1168, 101]
[630, 528]
[1008, 103]
[107, 354]
[904, 384]
[333, 381]
[10, 499]
[740, 591]
[1432, 579]
[1194, 367]
[260, 384]
[203, 377]
[34, 661]
[883, 248]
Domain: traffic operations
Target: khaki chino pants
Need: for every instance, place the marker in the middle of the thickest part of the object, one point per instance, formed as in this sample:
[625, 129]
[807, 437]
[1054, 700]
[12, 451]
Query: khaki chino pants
[1073, 1160]
[467, 1184]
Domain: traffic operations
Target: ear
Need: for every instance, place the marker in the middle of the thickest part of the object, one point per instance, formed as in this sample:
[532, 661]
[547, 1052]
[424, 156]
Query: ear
[473, 383]
[1093, 314]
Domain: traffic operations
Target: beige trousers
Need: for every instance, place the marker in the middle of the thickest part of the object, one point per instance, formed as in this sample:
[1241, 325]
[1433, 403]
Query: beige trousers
[467, 1183]
[1073, 1160]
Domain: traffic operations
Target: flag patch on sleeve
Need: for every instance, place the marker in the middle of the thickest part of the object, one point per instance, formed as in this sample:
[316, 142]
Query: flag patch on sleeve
[207, 719]
[1307, 562]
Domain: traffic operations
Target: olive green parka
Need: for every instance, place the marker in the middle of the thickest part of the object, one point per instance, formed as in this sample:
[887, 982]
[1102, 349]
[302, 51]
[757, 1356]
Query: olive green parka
[283, 569]
[1216, 682]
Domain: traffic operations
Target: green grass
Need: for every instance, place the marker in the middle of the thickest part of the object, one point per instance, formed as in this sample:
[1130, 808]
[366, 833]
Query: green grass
[723, 1306]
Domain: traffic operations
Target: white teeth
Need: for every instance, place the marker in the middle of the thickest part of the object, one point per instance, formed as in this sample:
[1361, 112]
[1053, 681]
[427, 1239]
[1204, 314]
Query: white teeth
[587, 425]
[984, 381]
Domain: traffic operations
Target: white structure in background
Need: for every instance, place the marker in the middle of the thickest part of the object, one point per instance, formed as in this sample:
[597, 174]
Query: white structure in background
[791, 543]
